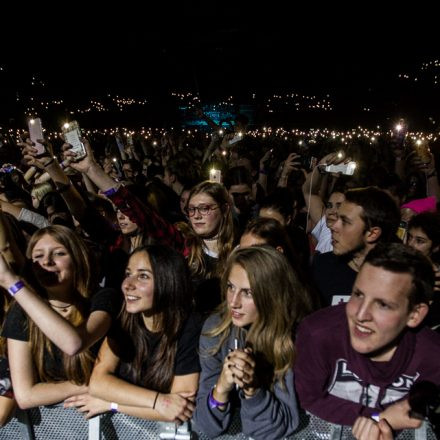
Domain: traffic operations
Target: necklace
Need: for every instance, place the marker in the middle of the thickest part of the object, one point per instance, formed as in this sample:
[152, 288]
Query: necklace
[63, 308]
[215, 238]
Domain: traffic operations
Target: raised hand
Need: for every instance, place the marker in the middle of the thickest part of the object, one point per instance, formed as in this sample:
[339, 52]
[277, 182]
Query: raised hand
[83, 165]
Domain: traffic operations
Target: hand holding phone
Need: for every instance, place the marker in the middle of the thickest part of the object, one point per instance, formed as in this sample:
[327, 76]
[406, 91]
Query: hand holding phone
[36, 132]
[72, 136]
[215, 175]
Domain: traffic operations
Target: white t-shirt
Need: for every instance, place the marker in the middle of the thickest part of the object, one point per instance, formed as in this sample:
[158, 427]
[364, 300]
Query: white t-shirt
[323, 236]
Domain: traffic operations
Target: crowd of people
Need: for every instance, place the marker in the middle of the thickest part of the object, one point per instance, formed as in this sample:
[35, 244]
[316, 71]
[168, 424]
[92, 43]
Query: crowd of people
[194, 282]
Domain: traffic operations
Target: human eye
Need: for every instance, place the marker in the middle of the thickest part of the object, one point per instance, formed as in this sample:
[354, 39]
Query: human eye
[329, 205]
[143, 276]
[247, 293]
[383, 305]
[229, 286]
[203, 209]
[37, 256]
[191, 210]
[356, 294]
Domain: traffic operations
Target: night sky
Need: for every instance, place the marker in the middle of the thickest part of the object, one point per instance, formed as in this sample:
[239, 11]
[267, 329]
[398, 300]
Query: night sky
[223, 48]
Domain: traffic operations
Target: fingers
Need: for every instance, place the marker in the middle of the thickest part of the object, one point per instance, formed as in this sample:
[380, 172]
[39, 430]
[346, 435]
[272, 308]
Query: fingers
[365, 428]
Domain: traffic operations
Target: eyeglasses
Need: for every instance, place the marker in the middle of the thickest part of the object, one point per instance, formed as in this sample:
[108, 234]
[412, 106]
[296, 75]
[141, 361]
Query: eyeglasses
[202, 209]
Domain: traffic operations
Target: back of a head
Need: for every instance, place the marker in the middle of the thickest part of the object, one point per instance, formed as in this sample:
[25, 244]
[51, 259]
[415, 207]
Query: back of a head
[399, 258]
[378, 210]
[238, 176]
[280, 200]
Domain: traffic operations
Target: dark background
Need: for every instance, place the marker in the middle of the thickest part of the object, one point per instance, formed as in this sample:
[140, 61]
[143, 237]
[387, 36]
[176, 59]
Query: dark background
[354, 54]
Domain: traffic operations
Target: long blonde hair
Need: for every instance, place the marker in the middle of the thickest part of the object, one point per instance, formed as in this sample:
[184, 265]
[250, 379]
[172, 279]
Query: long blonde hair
[225, 232]
[281, 301]
[77, 368]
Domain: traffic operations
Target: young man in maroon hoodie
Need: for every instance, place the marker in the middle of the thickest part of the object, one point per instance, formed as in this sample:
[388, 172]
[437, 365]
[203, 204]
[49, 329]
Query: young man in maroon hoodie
[361, 358]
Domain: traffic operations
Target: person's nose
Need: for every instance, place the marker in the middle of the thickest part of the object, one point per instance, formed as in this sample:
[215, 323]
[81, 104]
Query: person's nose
[363, 312]
[197, 214]
[235, 301]
[47, 260]
[128, 283]
[335, 227]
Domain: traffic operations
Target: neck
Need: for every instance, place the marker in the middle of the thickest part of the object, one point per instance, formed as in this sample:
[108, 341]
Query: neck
[211, 244]
[359, 257]
[59, 294]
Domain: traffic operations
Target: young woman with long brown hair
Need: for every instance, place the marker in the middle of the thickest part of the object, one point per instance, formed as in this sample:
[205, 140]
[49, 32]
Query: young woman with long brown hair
[247, 349]
[57, 319]
[148, 365]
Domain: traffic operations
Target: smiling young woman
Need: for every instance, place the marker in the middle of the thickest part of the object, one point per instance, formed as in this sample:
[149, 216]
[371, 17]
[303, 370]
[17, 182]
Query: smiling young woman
[148, 365]
[53, 327]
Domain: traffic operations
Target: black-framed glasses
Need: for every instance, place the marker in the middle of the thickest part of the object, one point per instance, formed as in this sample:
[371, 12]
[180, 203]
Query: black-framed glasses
[202, 209]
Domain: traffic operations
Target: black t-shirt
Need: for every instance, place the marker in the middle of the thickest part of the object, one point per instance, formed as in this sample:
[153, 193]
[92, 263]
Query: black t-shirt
[16, 327]
[333, 277]
[186, 360]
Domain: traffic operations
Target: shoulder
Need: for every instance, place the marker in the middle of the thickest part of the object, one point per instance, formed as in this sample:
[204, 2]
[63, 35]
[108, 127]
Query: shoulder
[106, 300]
[325, 321]
[191, 327]
[211, 322]
[16, 324]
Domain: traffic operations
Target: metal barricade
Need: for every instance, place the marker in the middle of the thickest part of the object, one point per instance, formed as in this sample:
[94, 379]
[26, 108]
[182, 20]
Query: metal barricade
[56, 422]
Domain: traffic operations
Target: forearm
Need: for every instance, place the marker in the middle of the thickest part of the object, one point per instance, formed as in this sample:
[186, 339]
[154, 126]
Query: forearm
[69, 193]
[109, 387]
[46, 393]
[60, 331]
[88, 184]
[102, 180]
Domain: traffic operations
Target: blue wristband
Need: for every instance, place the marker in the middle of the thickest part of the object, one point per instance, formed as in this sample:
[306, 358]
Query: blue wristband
[114, 407]
[110, 192]
[16, 287]
[213, 403]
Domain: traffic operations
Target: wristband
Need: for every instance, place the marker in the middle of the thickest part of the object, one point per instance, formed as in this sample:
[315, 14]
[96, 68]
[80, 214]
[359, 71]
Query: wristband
[114, 407]
[49, 163]
[16, 287]
[109, 192]
[375, 416]
[213, 403]
[155, 400]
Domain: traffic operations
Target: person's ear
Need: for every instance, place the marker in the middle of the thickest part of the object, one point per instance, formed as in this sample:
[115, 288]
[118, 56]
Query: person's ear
[417, 315]
[373, 234]
[280, 249]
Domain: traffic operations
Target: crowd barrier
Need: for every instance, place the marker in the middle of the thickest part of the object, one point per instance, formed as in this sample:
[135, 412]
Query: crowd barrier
[57, 423]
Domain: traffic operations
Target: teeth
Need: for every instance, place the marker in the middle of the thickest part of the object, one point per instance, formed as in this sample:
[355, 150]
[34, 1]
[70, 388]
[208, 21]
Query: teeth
[131, 298]
[363, 329]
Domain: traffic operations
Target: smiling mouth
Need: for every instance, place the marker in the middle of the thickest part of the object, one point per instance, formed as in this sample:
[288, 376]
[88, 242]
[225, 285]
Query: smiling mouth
[362, 330]
[237, 315]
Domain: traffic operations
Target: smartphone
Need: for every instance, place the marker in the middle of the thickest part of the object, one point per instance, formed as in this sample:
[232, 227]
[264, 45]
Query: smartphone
[344, 168]
[36, 132]
[72, 136]
[215, 175]
[237, 138]
[402, 230]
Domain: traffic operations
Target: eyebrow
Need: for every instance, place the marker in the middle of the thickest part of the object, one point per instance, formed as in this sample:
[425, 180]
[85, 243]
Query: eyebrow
[55, 248]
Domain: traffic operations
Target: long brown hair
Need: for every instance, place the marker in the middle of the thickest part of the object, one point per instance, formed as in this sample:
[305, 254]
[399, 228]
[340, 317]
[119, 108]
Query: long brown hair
[225, 233]
[172, 300]
[77, 368]
[281, 302]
